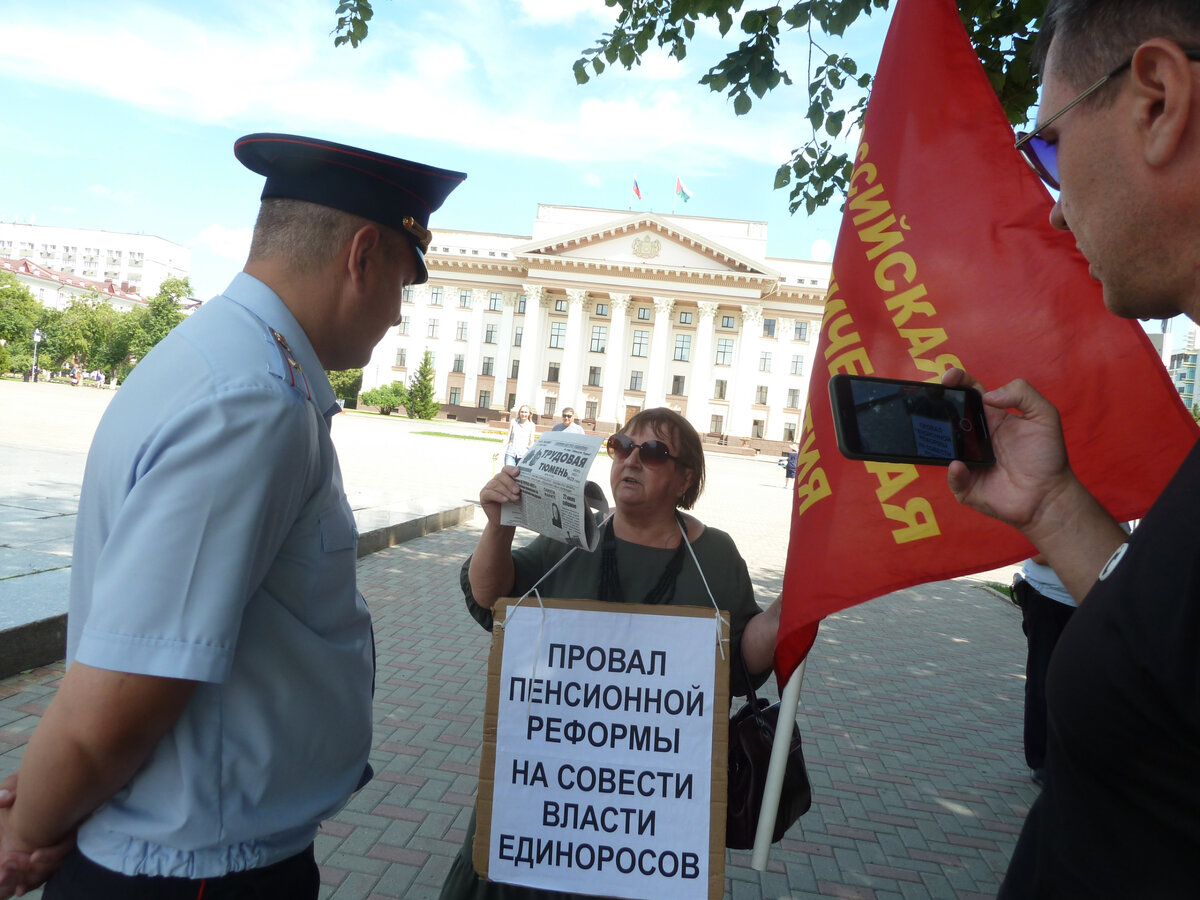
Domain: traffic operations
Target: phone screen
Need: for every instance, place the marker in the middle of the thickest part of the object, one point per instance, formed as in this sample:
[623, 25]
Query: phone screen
[909, 421]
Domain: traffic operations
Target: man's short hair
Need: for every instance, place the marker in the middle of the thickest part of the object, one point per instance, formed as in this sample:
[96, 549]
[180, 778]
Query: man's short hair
[306, 236]
[1093, 37]
[568, 411]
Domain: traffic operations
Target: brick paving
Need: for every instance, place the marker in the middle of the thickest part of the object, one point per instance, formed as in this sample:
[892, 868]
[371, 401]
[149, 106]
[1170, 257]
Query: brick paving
[911, 712]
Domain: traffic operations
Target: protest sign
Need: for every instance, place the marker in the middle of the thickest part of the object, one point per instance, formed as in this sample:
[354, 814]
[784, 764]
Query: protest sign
[604, 761]
[557, 500]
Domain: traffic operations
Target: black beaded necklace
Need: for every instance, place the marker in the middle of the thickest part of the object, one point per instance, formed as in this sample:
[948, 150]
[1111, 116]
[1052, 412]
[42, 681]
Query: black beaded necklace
[610, 578]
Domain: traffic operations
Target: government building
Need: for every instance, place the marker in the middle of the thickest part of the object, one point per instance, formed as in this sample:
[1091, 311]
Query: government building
[611, 312]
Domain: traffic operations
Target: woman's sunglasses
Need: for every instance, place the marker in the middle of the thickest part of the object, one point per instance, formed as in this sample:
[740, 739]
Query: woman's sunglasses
[653, 453]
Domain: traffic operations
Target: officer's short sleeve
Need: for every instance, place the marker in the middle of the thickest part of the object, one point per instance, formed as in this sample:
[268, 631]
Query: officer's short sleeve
[212, 496]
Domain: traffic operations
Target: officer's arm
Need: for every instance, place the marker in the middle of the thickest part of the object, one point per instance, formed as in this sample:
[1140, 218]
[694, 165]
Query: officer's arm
[97, 732]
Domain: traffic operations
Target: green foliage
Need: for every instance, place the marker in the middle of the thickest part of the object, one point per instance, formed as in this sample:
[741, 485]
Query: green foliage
[157, 319]
[421, 403]
[1000, 30]
[1196, 413]
[353, 16]
[388, 397]
[346, 384]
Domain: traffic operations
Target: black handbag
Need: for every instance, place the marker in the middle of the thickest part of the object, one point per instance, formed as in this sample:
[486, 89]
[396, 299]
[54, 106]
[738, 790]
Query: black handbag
[751, 734]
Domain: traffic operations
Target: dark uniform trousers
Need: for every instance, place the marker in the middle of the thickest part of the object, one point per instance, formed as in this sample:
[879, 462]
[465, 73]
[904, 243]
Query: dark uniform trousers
[295, 878]
[1043, 620]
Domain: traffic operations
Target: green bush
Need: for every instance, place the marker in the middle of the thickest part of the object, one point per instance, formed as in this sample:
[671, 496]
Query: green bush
[388, 397]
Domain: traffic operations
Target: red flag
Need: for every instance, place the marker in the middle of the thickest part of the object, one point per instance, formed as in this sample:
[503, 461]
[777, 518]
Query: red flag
[946, 258]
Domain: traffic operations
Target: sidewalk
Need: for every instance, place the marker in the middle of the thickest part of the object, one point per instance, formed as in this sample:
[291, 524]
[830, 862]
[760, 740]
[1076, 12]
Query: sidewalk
[911, 707]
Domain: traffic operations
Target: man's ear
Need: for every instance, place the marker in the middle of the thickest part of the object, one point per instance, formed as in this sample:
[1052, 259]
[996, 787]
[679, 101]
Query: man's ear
[1161, 77]
[366, 247]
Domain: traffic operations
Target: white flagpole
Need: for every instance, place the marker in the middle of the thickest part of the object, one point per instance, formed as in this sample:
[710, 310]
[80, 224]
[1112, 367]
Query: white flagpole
[788, 701]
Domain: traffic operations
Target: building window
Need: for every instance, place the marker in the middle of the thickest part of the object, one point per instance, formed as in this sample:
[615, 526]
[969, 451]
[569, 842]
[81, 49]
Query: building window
[489, 333]
[560, 305]
[602, 310]
[518, 333]
[801, 331]
[521, 304]
[405, 322]
[716, 425]
[458, 362]
[548, 408]
[461, 330]
[552, 372]
[599, 338]
[401, 357]
[685, 318]
[724, 351]
[760, 395]
[677, 385]
[558, 334]
[485, 399]
[641, 342]
[769, 328]
[495, 301]
[757, 429]
[719, 387]
[644, 313]
[432, 330]
[512, 401]
[435, 296]
[797, 367]
[455, 396]
[516, 367]
[683, 347]
[408, 293]
[727, 322]
[764, 362]
[789, 431]
[793, 401]
[635, 381]
[593, 376]
[486, 368]
[464, 299]
[590, 409]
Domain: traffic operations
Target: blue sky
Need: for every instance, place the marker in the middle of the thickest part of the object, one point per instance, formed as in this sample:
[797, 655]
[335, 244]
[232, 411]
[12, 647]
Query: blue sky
[122, 115]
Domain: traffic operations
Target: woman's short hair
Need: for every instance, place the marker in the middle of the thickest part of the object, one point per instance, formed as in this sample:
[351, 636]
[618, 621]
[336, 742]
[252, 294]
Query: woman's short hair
[671, 426]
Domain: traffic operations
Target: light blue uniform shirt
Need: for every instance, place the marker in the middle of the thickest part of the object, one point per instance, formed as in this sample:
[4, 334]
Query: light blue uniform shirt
[215, 543]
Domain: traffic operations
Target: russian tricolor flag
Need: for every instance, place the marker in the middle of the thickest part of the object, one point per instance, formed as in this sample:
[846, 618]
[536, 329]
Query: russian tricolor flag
[636, 190]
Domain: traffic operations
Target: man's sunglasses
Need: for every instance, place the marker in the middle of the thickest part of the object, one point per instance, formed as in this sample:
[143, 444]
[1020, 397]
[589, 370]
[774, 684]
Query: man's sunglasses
[652, 453]
[1041, 155]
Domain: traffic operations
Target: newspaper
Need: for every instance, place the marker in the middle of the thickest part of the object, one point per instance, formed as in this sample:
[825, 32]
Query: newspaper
[557, 500]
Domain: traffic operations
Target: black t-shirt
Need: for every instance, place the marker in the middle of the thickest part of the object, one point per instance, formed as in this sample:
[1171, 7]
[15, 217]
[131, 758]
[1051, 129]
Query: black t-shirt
[1120, 812]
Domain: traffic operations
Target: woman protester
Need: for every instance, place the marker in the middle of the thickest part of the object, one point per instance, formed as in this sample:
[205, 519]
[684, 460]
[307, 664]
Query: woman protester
[520, 436]
[657, 470]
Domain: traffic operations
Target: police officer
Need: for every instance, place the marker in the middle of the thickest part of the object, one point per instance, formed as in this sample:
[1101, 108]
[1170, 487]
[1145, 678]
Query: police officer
[217, 704]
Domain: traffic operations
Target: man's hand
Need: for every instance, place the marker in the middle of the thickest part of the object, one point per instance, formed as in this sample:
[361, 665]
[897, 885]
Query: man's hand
[1031, 458]
[1032, 488]
[24, 868]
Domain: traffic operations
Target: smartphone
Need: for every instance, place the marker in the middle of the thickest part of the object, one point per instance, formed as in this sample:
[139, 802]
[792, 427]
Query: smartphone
[918, 422]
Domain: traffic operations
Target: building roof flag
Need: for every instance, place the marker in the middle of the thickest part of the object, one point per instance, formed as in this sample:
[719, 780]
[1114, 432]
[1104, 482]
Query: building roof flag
[636, 190]
[681, 190]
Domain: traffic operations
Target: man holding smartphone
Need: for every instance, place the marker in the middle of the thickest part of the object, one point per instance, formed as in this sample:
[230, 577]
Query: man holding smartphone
[1119, 137]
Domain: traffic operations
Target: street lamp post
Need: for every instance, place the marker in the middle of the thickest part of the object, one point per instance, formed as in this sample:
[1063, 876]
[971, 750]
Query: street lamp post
[37, 339]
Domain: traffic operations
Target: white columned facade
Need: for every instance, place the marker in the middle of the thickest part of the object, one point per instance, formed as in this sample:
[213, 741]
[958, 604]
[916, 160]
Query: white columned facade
[503, 345]
[528, 377]
[612, 402]
[660, 340]
[746, 371]
[698, 408]
[571, 377]
[474, 348]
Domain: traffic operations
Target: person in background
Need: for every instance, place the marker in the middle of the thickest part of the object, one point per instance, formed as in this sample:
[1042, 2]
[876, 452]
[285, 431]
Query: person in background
[521, 434]
[1046, 608]
[568, 422]
[789, 465]
[1118, 136]
[217, 701]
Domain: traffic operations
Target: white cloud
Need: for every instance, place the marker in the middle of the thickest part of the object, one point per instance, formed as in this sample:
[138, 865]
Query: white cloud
[591, 179]
[228, 243]
[553, 12]
[822, 250]
[103, 192]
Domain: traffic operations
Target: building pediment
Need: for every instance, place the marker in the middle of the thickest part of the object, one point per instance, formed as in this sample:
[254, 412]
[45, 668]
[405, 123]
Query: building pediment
[646, 242]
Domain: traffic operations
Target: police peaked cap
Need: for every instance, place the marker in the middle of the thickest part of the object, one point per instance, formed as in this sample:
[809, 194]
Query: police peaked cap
[394, 192]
